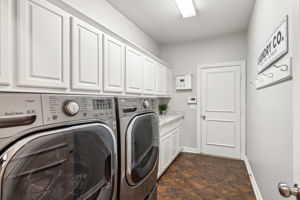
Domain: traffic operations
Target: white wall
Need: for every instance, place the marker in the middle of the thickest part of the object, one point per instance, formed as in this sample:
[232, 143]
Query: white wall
[185, 57]
[108, 16]
[269, 110]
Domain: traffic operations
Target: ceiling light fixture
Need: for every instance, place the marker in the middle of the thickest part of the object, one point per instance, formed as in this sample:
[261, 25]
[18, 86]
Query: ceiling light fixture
[186, 7]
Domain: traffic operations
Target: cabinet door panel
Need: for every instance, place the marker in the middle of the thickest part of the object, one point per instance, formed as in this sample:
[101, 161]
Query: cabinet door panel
[160, 162]
[172, 145]
[148, 76]
[169, 82]
[165, 146]
[166, 81]
[113, 65]
[159, 79]
[44, 45]
[4, 46]
[177, 141]
[134, 67]
[87, 56]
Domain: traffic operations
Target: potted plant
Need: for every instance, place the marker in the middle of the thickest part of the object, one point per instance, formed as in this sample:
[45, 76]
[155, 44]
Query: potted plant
[163, 109]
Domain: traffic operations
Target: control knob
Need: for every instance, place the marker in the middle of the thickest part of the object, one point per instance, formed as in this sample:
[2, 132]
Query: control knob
[146, 104]
[71, 108]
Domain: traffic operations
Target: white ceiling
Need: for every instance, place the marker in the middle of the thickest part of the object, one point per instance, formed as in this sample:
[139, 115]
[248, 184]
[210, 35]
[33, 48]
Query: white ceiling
[162, 21]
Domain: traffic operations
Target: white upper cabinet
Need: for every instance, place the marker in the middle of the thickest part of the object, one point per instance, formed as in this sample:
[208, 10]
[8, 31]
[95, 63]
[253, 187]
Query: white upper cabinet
[59, 51]
[134, 71]
[87, 56]
[163, 80]
[167, 81]
[159, 76]
[170, 82]
[113, 65]
[4, 46]
[44, 45]
[148, 76]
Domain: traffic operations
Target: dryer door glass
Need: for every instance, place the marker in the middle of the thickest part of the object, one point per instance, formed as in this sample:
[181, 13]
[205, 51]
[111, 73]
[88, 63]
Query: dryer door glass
[76, 163]
[142, 146]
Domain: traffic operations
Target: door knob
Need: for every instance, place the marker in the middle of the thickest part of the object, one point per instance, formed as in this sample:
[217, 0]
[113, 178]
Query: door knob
[203, 117]
[286, 191]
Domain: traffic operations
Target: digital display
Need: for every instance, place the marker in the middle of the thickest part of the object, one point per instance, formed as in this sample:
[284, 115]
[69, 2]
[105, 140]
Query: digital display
[181, 80]
[102, 104]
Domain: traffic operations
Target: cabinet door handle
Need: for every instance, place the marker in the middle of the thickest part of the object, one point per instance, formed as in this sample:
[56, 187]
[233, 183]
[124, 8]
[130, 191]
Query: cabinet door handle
[17, 120]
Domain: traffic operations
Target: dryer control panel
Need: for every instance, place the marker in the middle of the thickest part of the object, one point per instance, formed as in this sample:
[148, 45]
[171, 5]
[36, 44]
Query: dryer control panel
[130, 106]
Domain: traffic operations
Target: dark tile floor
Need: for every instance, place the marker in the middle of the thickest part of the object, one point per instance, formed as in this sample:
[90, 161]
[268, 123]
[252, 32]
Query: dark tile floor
[199, 177]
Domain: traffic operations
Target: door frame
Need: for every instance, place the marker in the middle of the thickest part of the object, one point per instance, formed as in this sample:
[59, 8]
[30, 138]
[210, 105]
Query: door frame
[296, 90]
[242, 65]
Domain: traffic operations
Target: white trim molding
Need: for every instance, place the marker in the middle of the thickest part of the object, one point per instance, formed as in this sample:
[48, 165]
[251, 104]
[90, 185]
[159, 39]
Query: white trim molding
[252, 179]
[242, 64]
[190, 150]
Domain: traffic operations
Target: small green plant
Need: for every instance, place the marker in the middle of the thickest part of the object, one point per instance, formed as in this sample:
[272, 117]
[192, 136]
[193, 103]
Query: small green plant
[163, 107]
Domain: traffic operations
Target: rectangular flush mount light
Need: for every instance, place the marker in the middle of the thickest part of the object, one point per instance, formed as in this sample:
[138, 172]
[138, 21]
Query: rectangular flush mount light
[186, 7]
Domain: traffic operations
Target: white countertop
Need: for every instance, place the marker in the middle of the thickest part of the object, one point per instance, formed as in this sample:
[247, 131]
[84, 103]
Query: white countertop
[163, 119]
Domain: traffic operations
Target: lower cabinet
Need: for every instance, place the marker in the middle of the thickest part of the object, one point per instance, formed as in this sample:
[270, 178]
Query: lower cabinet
[170, 147]
[164, 153]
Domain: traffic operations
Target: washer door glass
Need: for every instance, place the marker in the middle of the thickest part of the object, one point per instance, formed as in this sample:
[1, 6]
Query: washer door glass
[77, 163]
[142, 147]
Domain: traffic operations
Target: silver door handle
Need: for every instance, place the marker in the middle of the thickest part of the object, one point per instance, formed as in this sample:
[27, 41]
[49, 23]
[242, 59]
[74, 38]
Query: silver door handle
[17, 120]
[286, 191]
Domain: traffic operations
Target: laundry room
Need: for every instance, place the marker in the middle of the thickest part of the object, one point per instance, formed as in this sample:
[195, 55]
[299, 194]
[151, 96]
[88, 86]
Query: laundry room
[149, 100]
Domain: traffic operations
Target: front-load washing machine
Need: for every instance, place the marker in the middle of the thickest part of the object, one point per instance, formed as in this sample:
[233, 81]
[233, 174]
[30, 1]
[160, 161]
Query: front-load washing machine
[138, 125]
[57, 147]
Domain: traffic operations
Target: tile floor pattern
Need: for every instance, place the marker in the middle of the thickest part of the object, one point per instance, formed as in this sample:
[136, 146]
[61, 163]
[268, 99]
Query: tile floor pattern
[199, 177]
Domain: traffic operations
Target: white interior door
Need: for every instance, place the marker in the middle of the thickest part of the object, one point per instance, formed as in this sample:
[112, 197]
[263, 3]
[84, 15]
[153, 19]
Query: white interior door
[221, 111]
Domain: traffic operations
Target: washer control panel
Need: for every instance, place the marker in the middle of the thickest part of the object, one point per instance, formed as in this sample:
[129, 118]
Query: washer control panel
[62, 108]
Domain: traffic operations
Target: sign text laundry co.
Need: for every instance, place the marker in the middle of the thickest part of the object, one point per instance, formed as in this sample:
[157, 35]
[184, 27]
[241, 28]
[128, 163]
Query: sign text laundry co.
[275, 48]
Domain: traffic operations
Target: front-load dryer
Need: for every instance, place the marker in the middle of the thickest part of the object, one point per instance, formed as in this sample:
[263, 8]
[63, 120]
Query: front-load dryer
[57, 147]
[138, 126]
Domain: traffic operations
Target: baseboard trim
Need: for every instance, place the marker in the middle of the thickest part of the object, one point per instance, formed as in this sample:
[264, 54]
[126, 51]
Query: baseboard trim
[190, 150]
[252, 179]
